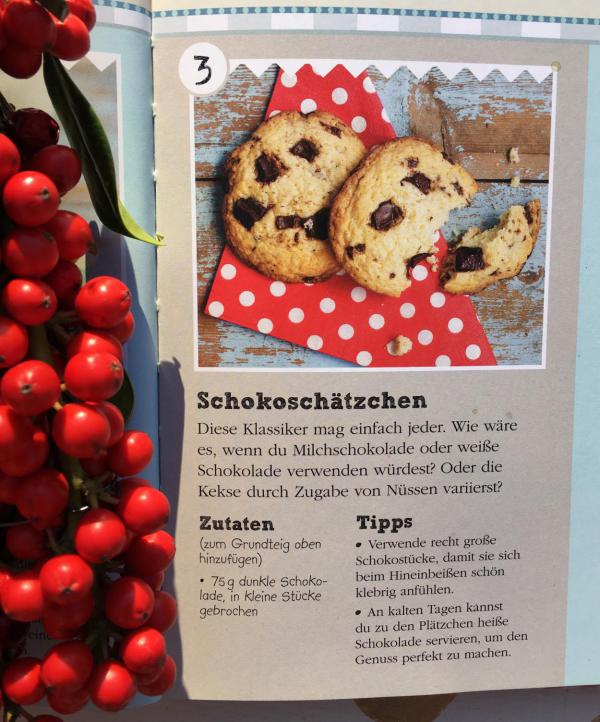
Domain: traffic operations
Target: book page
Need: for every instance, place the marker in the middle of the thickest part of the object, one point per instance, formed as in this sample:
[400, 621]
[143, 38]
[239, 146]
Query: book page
[374, 351]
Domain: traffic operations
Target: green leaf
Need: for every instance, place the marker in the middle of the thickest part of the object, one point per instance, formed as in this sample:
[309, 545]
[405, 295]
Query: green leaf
[58, 8]
[124, 399]
[88, 138]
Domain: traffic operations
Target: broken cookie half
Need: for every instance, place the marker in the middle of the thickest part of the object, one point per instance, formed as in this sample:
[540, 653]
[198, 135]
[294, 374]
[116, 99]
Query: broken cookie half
[481, 258]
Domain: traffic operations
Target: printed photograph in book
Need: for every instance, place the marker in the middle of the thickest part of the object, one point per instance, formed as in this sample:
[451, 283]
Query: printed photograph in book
[391, 214]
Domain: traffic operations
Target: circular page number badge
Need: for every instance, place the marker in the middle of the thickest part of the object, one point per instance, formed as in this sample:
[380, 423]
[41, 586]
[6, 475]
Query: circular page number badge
[203, 68]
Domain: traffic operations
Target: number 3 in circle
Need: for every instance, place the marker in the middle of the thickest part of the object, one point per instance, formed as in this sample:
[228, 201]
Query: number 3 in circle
[203, 68]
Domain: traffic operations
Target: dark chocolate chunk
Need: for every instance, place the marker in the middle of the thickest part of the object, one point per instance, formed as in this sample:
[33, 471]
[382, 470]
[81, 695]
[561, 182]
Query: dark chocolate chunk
[412, 262]
[283, 222]
[332, 129]
[528, 216]
[458, 188]
[392, 275]
[305, 149]
[247, 211]
[468, 259]
[412, 162]
[351, 250]
[386, 215]
[310, 279]
[267, 168]
[317, 226]
[420, 181]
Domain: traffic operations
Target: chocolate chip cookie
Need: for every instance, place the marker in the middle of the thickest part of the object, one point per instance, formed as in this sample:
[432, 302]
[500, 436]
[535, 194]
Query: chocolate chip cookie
[280, 185]
[387, 212]
[481, 258]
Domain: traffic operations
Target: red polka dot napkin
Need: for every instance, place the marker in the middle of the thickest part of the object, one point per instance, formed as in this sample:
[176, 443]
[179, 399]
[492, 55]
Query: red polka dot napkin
[424, 327]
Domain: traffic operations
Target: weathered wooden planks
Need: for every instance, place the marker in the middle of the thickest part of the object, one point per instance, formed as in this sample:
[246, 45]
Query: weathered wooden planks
[476, 122]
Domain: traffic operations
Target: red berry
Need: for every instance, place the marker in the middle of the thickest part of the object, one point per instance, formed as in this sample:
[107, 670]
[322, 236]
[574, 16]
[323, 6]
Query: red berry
[46, 718]
[66, 579]
[103, 302]
[8, 489]
[72, 38]
[72, 232]
[123, 331]
[96, 466]
[111, 686]
[29, 301]
[144, 509]
[95, 342]
[29, 25]
[30, 198]
[22, 597]
[156, 581]
[33, 129]
[150, 553]
[31, 387]
[144, 651]
[11, 632]
[129, 602]
[80, 430]
[63, 621]
[14, 342]
[25, 542]
[85, 10]
[93, 376]
[116, 421]
[22, 681]
[164, 681]
[10, 159]
[100, 536]
[165, 611]
[29, 252]
[14, 430]
[65, 280]
[67, 666]
[131, 454]
[20, 62]
[61, 164]
[67, 702]
[27, 457]
[42, 496]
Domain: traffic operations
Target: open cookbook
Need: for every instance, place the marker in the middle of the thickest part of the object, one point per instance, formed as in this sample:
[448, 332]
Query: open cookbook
[375, 319]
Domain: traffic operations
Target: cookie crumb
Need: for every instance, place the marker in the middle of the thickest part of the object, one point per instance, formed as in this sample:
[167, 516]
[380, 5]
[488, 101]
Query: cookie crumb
[513, 155]
[515, 181]
[399, 346]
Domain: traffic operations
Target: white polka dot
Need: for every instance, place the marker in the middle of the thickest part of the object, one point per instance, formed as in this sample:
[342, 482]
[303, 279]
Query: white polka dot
[368, 85]
[314, 342]
[455, 325]
[385, 116]
[308, 105]
[363, 358]
[425, 337]
[407, 310]
[437, 299]
[265, 325]
[296, 315]
[228, 271]
[358, 294]
[358, 124]
[341, 272]
[277, 288]
[419, 273]
[273, 113]
[345, 331]
[327, 305]
[216, 309]
[376, 321]
[473, 351]
[247, 298]
[339, 96]
[443, 360]
[289, 80]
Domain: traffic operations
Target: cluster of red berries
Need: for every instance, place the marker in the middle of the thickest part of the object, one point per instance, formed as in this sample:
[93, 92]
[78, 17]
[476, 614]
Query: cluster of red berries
[85, 549]
[27, 30]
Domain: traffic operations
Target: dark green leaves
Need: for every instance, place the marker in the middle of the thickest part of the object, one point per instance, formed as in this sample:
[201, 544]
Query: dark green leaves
[87, 136]
[124, 398]
[58, 8]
